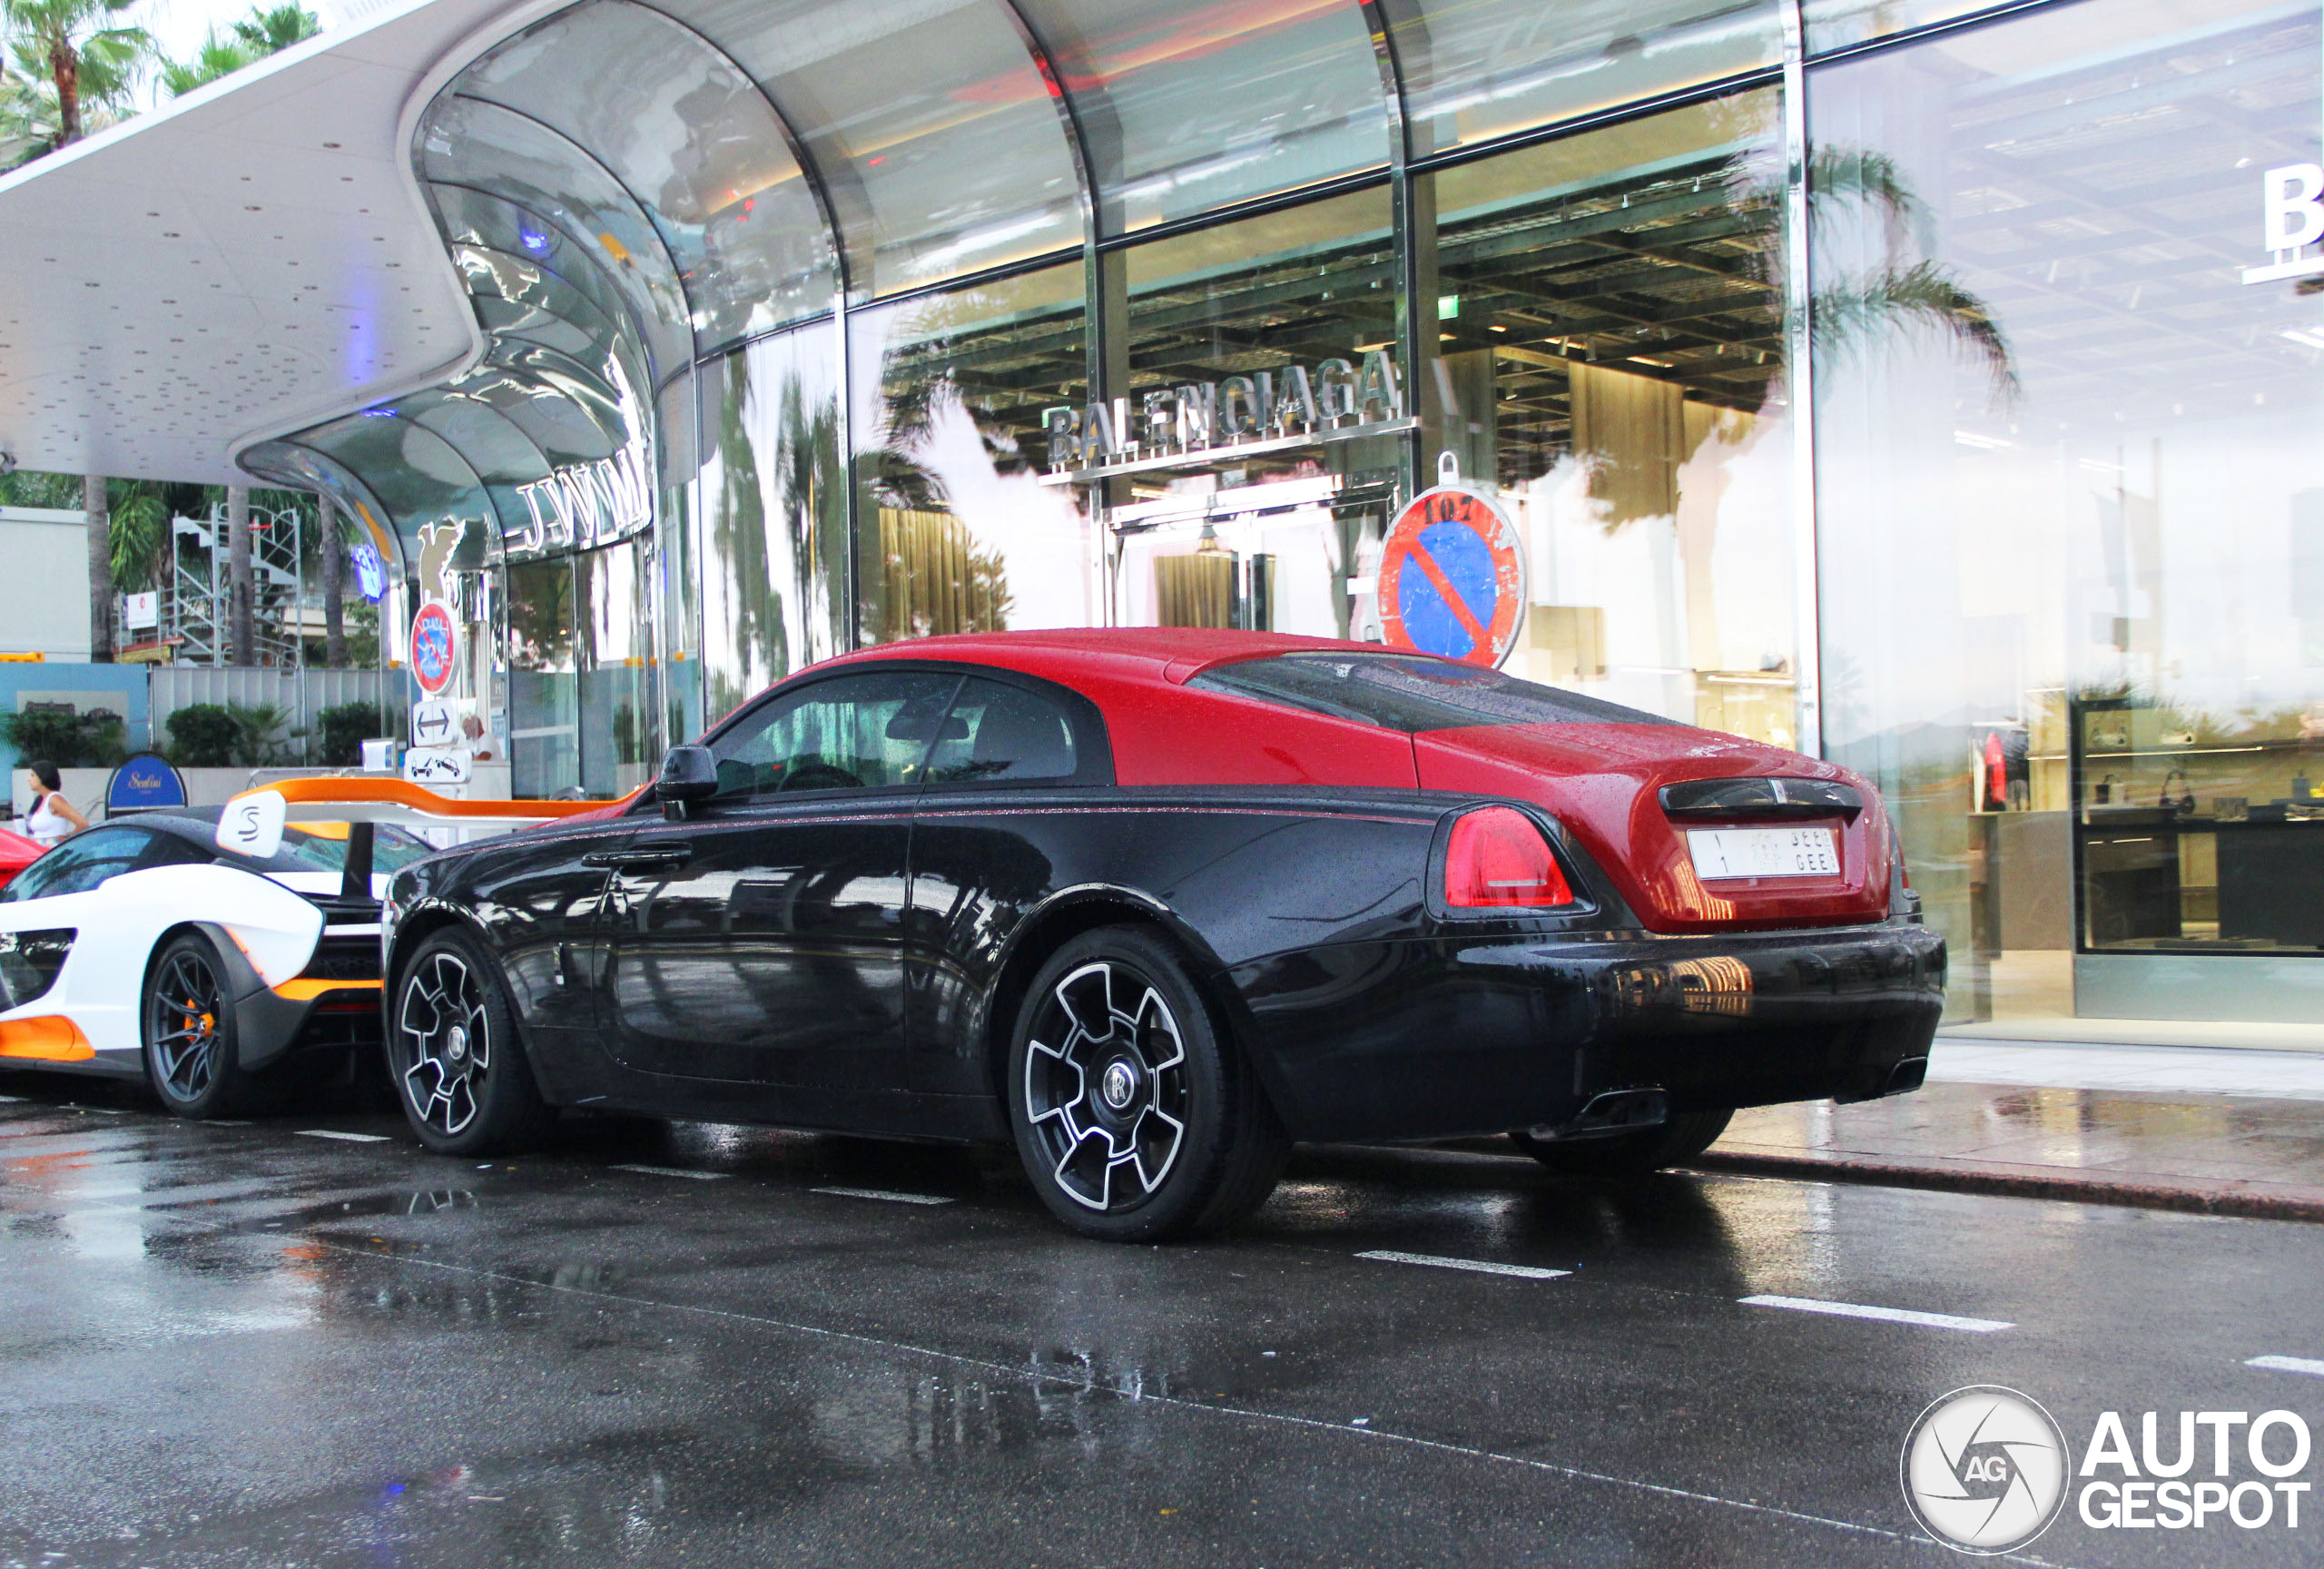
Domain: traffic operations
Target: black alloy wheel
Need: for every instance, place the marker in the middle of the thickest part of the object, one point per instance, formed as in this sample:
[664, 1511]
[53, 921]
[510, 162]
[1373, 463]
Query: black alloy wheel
[190, 1042]
[1136, 1120]
[453, 1053]
[1677, 1141]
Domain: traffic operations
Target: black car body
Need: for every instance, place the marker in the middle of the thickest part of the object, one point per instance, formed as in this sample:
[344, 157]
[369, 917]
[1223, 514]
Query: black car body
[853, 953]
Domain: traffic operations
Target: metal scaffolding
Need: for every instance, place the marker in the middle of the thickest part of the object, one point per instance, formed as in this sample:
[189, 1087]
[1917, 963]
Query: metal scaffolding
[196, 612]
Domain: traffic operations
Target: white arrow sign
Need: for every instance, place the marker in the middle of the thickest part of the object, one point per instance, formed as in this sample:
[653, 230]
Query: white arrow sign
[435, 723]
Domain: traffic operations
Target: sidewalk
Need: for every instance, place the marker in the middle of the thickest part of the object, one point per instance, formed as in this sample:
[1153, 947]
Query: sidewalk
[2215, 1130]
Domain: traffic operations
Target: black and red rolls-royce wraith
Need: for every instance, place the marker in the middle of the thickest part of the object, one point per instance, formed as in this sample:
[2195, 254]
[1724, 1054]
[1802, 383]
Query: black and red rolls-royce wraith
[1153, 904]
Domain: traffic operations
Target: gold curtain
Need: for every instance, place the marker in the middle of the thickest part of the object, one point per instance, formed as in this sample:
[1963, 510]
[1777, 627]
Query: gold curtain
[933, 579]
[1633, 430]
[1196, 590]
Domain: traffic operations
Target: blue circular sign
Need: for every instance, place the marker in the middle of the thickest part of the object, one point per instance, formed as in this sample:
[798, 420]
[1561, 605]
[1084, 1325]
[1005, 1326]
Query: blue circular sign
[143, 780]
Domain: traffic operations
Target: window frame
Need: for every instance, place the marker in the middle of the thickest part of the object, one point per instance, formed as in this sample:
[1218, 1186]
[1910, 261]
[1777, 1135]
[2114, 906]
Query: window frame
[1093, 752]
[720, 806]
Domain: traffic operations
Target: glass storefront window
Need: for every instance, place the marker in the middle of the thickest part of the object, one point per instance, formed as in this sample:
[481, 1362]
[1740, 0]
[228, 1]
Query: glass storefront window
[620, 731]
[1189, 106]
[771, 519]
[2071, 566]
[1610, 355]
[1837, 23]
[940, 147]
[677, 570]
[1474, 70]
[545, 728]
[1258, 420]
[955, 532]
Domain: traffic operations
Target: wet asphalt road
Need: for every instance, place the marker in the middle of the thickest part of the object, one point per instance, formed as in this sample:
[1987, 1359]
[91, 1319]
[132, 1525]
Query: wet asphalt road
[657, 1344]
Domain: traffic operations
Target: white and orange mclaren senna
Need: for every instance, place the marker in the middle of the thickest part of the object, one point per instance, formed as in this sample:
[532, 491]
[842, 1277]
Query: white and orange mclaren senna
[220, 953]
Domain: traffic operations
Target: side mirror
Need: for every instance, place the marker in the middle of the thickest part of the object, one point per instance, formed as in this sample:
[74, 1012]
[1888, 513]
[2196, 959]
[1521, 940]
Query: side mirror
[688, 774]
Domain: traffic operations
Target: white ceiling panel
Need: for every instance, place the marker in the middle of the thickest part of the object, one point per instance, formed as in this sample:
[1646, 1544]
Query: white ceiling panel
[249, 261]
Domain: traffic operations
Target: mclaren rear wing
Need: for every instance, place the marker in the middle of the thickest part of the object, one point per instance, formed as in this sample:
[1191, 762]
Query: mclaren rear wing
[252, 823]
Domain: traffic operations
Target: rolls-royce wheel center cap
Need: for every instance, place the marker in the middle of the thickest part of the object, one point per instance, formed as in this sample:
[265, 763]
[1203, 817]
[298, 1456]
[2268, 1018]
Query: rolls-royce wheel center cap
[1118, 1084]
[455, 1043]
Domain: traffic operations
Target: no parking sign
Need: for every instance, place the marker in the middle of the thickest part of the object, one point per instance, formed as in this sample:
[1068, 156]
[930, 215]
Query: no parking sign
[435, 647]
[1452, 575]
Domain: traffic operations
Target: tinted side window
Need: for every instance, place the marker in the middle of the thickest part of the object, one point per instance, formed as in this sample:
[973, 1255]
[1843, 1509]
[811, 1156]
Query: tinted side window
[1400, 692]
[1000, 733]
[171, 850]
[81, 862]
[867, 732]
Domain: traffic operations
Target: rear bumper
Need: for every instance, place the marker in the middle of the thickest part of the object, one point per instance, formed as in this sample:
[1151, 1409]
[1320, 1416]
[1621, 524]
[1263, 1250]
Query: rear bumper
[331, 1007]
[1433, 1038]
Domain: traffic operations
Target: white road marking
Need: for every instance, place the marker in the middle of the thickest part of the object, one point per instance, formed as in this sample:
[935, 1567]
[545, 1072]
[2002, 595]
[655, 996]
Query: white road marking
[2289, 1365]
[1892, 1314]
[11, 1099]
[675, 1172]
[882, 1193]
[350, 1137]
[1526, 1271]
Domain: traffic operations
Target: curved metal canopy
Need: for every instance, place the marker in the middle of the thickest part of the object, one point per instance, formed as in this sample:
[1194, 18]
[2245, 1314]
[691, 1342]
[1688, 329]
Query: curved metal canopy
[626, 187]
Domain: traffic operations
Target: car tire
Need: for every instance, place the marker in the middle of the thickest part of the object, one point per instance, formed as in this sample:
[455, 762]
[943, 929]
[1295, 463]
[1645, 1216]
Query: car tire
[1684, 1135]
[460, 1070]
[1135, 1116]
[192, 1048]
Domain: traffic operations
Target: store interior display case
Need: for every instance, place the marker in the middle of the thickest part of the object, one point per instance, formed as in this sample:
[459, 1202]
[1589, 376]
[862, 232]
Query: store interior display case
[2194, 836]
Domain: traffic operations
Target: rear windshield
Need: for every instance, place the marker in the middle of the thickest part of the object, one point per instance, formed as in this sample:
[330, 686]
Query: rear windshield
[1401, 692]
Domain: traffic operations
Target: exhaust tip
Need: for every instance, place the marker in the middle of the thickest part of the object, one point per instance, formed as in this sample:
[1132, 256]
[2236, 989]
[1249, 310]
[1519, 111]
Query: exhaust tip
[1608, 1113]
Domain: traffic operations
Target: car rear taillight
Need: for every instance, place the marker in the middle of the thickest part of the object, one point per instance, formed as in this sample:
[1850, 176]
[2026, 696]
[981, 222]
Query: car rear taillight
[1498, 860]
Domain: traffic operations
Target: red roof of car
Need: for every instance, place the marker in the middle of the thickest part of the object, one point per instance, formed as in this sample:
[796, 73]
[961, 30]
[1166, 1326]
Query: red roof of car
[1174, 652]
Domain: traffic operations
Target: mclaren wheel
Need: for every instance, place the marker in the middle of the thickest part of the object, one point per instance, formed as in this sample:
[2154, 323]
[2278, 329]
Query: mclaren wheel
[1135, 1119]
[452, 1051]
[1686, 1135]
[192, 1048]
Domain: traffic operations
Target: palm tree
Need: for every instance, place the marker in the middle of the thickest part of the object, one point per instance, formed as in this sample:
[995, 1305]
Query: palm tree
[1925, 295]
[269, 32]
[217, 57]
[70, 71]
[248, 41]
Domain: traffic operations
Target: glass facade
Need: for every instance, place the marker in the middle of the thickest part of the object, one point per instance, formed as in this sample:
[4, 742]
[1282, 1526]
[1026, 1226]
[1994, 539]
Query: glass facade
[1610, 353]
[1917, 384]
[2071, 592]
[955, 532]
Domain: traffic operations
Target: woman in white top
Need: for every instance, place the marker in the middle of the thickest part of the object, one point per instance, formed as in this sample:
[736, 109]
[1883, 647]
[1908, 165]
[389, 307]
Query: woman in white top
[52, 818]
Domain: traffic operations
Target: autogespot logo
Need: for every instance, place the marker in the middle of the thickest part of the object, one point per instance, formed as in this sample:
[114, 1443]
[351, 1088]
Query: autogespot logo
[1985, 1469]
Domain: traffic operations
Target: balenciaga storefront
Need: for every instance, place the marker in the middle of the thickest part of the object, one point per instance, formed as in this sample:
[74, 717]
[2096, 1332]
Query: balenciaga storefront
[1936, 392]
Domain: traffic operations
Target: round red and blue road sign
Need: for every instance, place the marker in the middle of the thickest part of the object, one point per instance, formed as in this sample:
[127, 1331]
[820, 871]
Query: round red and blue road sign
[435, 647]
[1452, 577]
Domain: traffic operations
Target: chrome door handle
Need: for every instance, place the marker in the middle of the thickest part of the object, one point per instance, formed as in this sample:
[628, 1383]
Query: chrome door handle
[666, 853]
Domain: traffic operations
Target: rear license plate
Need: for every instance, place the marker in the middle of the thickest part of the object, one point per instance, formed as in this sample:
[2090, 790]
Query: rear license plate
[1764, 851]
